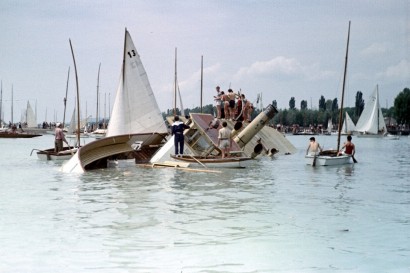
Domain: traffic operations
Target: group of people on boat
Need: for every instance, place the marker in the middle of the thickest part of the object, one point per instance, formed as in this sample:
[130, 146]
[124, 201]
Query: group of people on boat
[232, 106]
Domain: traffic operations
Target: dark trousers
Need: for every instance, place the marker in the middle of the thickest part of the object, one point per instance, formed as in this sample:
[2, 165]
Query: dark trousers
[179, 143]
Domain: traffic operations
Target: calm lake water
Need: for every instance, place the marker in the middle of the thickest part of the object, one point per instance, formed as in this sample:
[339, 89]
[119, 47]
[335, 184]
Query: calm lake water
[280, 215]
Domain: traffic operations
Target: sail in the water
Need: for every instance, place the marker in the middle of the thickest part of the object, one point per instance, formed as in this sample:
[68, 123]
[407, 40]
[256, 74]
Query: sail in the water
[135, 109]
[371, 120]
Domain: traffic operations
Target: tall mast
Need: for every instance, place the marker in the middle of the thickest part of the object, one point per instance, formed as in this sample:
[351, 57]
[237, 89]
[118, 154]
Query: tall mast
[175, 84]
[377, 105]
[105, 106]
[65, 98]
[78, 96]
[12, 121]
[343, 92]
[98, 86]
[202, 78]
[1, 103]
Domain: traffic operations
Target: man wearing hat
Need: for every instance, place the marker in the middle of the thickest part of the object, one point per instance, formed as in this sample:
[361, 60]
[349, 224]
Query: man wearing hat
[59, 138]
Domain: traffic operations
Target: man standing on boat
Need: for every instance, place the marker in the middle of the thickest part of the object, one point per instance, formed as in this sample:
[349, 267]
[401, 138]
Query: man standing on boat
[177, 131]
[314, 147]
[59, 138]
[224, 139]
[218, 101]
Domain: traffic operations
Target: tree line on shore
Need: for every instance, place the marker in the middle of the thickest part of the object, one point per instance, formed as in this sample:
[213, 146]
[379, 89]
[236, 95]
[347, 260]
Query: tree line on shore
[305, 117]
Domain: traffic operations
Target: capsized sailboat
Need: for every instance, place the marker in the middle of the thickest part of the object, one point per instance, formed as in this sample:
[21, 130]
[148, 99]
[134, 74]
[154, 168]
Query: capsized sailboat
[331, 157]
[371, 122]
[136, 129]
[201, 139]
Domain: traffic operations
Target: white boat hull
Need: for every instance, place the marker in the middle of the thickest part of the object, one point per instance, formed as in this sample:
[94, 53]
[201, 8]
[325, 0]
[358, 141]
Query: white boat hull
[327, 160]
[49, 154]
[101, 149]
[370, 135]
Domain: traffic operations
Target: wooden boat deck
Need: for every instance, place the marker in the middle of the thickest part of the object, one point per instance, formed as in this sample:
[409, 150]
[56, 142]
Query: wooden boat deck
[200, 133]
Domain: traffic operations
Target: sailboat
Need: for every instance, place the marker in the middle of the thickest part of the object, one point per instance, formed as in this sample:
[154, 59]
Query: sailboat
[348, 125]
[72, 129]
[371, 122]
[67, 152]
[12, 132]
[328, 131]
[136, 129]
[30, 117]
[331, 157]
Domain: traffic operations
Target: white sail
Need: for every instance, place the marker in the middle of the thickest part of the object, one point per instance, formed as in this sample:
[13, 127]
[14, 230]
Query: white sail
[371, 120]
[73, 123]
[329, 125]
[348, 125]
[135, 109]
[29, 117]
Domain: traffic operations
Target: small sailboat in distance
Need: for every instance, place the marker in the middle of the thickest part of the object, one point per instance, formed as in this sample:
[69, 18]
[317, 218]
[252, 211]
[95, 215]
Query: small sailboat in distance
[371, 122]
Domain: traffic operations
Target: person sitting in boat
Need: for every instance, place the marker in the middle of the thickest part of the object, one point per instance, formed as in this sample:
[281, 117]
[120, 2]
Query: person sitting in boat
[348, 147]
[59, 138]
[214, 124]
[313, 147]
[177, 130]
[224, 139]
[13, 129]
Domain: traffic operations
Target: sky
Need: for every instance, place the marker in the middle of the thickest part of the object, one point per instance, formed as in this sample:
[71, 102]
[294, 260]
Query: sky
[281, 49]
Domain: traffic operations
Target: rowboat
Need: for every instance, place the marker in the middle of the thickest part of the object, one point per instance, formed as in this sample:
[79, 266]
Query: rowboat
[328, 158]
[7, 134]
[213, 162]
[50, 154]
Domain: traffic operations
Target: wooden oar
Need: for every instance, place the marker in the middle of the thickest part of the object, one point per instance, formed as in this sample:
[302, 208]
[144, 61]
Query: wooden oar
[203, 165]
[354, 159]
[69, 148]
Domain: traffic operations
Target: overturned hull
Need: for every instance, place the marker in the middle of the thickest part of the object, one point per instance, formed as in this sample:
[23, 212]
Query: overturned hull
[255, 139]
[96, 154]
[243, 137]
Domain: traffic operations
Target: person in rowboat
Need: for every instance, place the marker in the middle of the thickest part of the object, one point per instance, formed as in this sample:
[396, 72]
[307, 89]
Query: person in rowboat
[348, 147]
[224, 139]
[314, 147]
[59, 138]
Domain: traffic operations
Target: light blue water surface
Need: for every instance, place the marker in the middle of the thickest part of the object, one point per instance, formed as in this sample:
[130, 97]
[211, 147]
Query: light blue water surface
[279, 215]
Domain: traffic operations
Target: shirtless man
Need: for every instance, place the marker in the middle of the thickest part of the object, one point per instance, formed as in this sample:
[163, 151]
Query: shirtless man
[348, 147]
[313, 148]
[218, 101]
